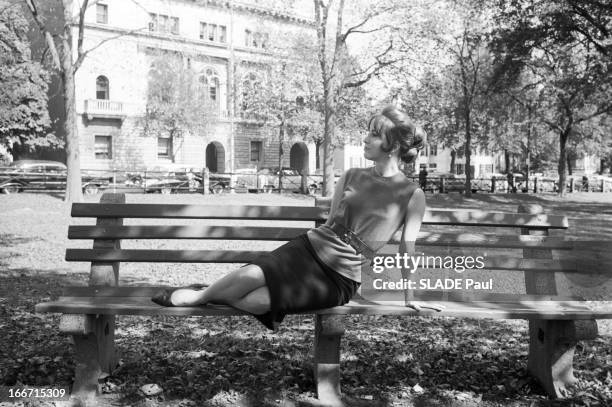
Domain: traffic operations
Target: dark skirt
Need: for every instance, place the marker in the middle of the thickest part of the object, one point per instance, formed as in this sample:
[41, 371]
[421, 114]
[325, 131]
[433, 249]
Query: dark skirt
[299, 282]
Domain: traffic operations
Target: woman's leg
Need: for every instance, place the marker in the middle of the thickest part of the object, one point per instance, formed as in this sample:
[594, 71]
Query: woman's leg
[256, 302]
[227, 290]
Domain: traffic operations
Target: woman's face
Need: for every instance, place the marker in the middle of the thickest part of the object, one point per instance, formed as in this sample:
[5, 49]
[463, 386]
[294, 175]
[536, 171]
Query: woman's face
[373, 145]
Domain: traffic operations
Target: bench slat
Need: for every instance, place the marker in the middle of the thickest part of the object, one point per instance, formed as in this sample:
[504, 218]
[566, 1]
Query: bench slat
[432, 217]
[237, 256]
[525, 310]
[493, 219]
[288, 233]
[93, 210]
[163, 256]
[185, 232]
[131, 293]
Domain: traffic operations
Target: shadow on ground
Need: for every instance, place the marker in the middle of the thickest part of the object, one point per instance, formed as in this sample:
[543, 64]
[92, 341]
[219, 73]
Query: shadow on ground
[235, 361]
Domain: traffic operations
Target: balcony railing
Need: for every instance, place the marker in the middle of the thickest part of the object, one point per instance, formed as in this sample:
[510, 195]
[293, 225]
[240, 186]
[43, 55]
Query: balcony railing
[103, 108]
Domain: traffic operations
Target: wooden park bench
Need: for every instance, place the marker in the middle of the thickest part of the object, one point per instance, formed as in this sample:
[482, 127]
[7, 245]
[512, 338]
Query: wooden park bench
[556, 323]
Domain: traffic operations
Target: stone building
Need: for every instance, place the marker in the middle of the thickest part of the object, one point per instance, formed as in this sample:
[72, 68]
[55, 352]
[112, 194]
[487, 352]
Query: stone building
[221, 42]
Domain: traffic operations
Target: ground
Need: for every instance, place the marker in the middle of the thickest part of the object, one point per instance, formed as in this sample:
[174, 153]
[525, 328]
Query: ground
[386, 361]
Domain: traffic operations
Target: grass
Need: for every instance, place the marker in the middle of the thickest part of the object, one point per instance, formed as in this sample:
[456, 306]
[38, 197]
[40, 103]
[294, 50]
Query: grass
[386, 361]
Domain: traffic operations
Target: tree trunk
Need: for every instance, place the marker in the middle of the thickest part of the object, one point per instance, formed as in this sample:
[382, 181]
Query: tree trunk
[328, 147]
[507, 160]
[452, 163]
[318, 144]
[562, 160]
[468, 154]
[281, 139]
[74, 192]
[569, 164]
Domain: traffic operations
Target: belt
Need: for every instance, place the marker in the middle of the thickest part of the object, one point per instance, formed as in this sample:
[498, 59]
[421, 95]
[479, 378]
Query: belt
[349, 237]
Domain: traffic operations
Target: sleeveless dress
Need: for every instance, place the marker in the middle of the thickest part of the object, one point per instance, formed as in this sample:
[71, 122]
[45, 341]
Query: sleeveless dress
[317, 270]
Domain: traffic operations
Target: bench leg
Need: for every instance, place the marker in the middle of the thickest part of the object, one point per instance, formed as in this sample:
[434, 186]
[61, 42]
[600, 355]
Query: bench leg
[551, 352]
[328, 334]
[94, 345]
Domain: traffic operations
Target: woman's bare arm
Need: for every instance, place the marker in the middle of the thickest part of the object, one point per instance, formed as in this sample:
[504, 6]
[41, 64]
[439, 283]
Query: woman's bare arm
[412, 226]
[336, 197]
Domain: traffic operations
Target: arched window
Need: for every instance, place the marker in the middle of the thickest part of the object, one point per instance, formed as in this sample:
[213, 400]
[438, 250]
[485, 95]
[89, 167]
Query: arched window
[208, 87]
[102, 87]
[249, 87]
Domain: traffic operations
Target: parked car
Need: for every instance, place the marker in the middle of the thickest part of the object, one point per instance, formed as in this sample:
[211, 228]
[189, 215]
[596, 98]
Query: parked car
[217, 183]
[172, 183]
[253, 180]
[291, 180]
[45, 175]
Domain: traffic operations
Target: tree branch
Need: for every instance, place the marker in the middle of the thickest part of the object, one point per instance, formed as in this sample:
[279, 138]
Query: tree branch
[83, 54]
[80, 55]
[607, 109]
[43, 29]
[354, 29]
[321, 20]
[378, 66]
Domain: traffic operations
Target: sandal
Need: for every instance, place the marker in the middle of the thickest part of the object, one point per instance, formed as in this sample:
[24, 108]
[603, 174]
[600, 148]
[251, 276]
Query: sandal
[164, 297]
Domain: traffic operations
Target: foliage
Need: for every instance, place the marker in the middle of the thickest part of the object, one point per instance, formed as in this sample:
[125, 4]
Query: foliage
[564, 56]
[24, 118]
[340, 70]
[178, 99]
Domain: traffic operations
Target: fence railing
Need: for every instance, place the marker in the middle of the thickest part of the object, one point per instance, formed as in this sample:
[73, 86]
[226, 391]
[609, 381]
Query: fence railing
[204, 182]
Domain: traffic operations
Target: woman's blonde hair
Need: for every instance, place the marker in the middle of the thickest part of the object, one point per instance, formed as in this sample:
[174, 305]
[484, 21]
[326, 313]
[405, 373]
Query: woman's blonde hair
[396, 127]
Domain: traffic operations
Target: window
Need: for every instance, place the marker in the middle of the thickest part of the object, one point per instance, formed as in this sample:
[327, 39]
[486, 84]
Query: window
[486, 169]
[164, 147]
[103, 147]
[213, 93]
[55, 169]
[212, 32]
[433, 149]
[422, 166]
[163, 24]
[101, 13]
[433, 166]
[256, 39]
[256, 150]
[250, 85]
[174, 25]
[102, 88]
[208, 87]
[459, 169]
[153, 22]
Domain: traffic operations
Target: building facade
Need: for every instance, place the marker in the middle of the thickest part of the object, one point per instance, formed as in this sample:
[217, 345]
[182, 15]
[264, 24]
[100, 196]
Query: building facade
[221, 43]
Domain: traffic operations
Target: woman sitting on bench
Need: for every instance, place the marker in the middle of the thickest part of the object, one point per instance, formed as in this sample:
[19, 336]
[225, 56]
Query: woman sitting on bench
[322, 268]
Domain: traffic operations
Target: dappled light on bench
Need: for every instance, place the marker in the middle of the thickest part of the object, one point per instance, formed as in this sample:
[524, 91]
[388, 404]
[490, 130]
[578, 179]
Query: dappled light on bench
[518, 253]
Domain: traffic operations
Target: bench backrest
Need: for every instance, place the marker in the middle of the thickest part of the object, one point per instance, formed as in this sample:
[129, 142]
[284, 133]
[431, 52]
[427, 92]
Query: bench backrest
[444, 232]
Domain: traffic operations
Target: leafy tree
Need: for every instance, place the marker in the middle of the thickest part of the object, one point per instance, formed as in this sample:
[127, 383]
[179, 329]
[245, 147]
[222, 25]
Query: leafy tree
[566, 52]
[61, 52]
[178, 100]
[282, 92]
[339, 71]
[24, 119]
